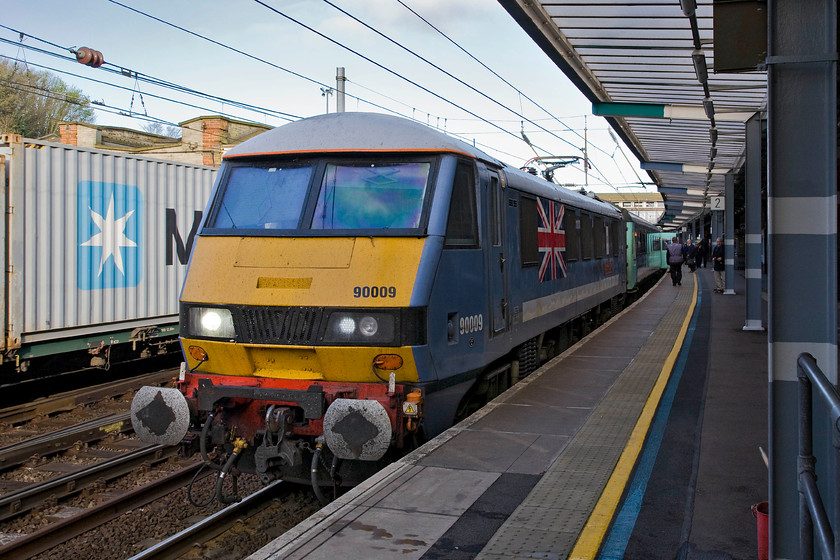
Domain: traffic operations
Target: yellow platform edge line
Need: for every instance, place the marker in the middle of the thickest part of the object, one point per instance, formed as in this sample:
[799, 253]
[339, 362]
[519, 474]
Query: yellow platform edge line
[589, 541]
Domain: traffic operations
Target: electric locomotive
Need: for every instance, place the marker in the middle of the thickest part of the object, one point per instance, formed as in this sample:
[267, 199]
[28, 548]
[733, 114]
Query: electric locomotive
[362, 281]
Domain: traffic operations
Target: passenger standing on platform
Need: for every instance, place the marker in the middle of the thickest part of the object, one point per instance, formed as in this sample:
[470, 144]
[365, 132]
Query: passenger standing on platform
[691, 255]
[675, 261]
[719, 265]
[702, 252]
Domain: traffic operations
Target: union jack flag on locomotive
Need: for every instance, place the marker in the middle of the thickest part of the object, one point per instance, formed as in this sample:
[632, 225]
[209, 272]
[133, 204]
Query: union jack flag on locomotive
[551, 237]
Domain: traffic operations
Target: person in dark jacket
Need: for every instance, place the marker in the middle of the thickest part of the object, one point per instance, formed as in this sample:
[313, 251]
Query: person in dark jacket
[703, 252]
[691, 255]
[719, 265]
[675, 261]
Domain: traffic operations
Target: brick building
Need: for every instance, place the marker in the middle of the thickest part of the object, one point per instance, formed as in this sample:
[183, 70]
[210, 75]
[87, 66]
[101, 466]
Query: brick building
[203, 139]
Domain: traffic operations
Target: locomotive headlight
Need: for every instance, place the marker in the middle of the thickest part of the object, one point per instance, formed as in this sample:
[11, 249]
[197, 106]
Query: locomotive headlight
[368, 326]
[346, 326]
[356, 327]
[211, 322]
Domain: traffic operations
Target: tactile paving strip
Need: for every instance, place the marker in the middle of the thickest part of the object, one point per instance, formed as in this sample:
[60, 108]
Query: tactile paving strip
[547, 523]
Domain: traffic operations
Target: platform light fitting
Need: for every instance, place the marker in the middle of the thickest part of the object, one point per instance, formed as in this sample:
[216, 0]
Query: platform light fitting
[700, 68]
[688, 7]
[709, 108]
[713, 135]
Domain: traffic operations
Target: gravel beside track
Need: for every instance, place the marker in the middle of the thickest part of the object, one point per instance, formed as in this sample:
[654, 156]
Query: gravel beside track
[144, 526]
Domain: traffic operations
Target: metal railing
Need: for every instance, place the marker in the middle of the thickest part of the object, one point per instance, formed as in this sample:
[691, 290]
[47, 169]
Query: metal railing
[812, 512]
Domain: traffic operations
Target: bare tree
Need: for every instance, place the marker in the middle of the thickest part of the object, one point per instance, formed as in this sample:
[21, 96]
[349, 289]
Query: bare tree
[32, 103]
[153, 127]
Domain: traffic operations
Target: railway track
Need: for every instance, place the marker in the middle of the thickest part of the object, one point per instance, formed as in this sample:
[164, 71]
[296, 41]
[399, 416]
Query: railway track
[65, 402]
[61, 440]
[38, 494]
[71, 522]
[215, 525]
[64, 485]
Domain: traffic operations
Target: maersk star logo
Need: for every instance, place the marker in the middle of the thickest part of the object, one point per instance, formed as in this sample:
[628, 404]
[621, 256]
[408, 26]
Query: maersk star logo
[109, 234]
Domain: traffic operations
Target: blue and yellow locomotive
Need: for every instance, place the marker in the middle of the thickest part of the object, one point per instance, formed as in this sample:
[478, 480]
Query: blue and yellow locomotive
[359, 283]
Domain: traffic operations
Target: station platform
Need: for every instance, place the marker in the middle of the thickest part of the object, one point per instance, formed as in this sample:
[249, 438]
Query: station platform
[642, 441]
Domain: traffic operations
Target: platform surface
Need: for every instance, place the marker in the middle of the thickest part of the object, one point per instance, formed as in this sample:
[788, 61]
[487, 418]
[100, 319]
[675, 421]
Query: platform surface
[621, 447]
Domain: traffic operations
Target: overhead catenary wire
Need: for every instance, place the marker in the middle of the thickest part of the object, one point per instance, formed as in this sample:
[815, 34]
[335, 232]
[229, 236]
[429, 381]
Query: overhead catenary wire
[128, 113]
[469, 54]
[614, 139]
[246, 54]
[218, 43]
[110, 109]
[170, 85]
[422, 58]
[163, 83]
[119, 70]
[95, 105]
[383, 67]
[253, 57]
[98, 106]
[170, 100]
[531, 145]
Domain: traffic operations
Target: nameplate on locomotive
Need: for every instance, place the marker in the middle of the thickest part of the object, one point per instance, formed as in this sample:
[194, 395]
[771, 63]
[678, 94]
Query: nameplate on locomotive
[284, 283]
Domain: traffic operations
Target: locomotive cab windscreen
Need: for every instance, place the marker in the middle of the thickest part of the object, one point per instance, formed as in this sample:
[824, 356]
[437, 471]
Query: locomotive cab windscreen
[311, 197]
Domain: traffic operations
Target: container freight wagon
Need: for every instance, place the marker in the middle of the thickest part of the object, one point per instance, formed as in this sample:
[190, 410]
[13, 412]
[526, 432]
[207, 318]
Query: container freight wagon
[95, 247]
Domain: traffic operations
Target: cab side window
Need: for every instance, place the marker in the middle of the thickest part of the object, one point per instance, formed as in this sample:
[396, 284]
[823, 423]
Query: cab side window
[462, 225]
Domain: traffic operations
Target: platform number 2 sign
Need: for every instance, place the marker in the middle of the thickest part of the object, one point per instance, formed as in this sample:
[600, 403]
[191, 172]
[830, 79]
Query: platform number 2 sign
[717, 203]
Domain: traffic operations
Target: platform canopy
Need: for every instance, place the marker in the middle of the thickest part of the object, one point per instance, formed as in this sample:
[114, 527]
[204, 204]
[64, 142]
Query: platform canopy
[648, 66]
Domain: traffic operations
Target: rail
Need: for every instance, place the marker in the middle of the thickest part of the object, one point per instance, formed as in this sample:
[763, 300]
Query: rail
[812, 512]
[207, 529]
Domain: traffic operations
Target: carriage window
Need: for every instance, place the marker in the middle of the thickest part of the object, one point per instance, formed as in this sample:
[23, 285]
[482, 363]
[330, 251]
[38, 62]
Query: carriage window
[371, 196]
[263, 198]
[585, 236]
[462, 226]
[615, 233]
[598, 235]
[528, 242]
[572, 236]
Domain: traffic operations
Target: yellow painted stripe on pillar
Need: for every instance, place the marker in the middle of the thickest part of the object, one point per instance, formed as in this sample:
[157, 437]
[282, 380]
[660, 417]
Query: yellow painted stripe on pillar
[589, 541]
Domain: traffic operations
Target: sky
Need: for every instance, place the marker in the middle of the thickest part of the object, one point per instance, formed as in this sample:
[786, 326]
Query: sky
[299, 44]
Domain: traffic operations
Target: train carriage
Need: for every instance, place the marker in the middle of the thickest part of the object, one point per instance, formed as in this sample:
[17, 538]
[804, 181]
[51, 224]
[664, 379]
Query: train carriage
[646, 252]
[658, 249]
[359, 283]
